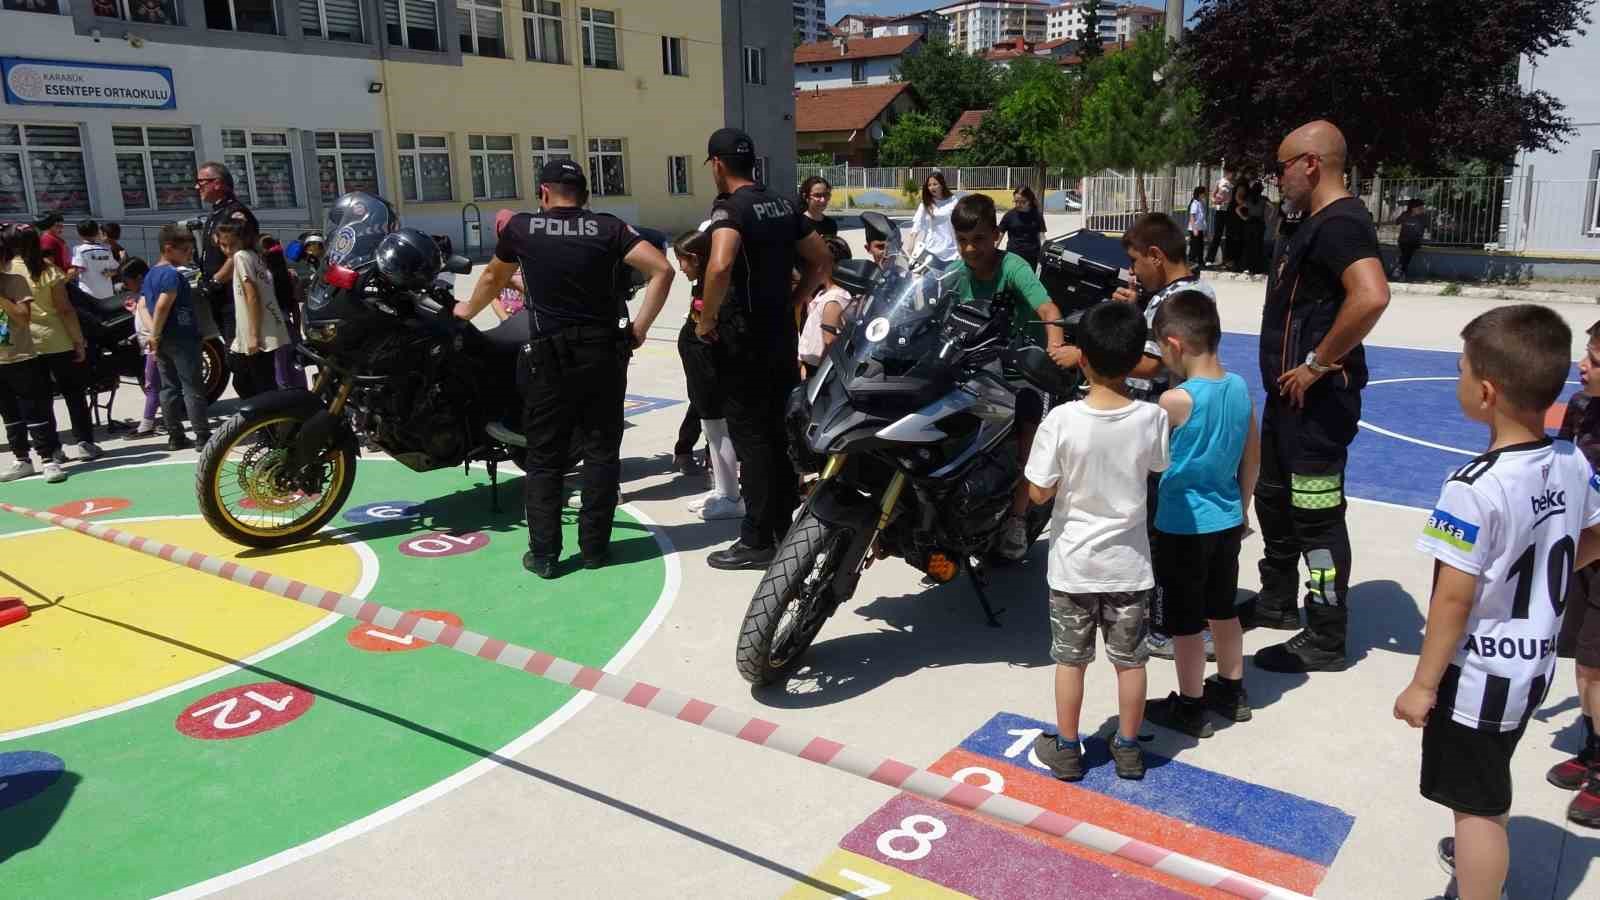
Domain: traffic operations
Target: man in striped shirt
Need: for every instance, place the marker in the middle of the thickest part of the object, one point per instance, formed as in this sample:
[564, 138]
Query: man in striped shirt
[1509, 529]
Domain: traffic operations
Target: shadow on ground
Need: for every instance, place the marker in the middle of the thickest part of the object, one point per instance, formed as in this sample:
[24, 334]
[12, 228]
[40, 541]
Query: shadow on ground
[30, 821]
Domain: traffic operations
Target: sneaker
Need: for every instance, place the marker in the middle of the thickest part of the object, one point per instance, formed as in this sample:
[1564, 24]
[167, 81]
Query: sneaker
[1585, 808]
[53, 473]
[698, 501]
[1301, 654]
[147, 428]
[1065, 763]
[1180, 714]
[1129, 760]
[1571, 774]
[1014, 538]
[686, 464]
[1159, 646]
[19, 469]
[1231, 705]
[88, 450]
[1447, 855]
[542, 566]
[722, 508]
[60, 456]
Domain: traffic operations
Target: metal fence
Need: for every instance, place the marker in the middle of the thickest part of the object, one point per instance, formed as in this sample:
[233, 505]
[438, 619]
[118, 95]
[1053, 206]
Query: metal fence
[145, 240]
[1111, 201]
[978, 178]
[1460, 212]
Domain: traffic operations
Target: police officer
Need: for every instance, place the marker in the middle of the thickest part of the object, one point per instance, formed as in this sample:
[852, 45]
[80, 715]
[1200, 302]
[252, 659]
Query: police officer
[577, 364]
[215, 183]
[1325, 293]
[758, 239]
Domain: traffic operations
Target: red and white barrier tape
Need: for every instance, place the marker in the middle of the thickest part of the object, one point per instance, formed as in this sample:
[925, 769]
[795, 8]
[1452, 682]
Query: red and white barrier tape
[819, 750]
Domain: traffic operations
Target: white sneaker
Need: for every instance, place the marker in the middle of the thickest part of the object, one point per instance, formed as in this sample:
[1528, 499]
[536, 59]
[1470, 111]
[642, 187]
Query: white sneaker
[89, 450]
[19, 469]
[698, 501]
[147, 428]
[1014, 538]
[722, 508]
[53, 473]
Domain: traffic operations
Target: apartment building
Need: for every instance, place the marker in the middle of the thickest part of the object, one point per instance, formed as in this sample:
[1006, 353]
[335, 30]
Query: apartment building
[1133, 21]
[929, 24]
[1065, 21]
[846, 62]
[978, 25]
[810, 20]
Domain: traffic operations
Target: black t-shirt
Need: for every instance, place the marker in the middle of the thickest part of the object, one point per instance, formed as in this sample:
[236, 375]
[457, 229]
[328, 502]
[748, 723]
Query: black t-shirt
[769, 228]
[572, 262]
[1022, 230]
[825, 226]
[1305, 289]
[228, 209]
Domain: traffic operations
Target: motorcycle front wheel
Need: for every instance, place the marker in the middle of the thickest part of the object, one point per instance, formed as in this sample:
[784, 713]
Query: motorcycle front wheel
[791, 603]
[248, 493]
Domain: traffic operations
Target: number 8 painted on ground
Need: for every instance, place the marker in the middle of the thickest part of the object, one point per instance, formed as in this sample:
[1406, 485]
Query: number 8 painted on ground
[908, 828]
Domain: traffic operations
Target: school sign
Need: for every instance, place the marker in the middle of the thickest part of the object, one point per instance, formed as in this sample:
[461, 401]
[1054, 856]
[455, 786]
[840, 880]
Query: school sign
[43, 82]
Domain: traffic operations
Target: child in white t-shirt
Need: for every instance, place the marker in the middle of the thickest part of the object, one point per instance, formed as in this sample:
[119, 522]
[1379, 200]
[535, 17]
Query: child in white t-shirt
[259, 324]
[1094, 459]
[825, 315]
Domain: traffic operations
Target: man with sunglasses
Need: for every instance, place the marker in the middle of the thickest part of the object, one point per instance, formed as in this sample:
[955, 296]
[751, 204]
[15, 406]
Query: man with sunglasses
[215, 184]
[1325, 292]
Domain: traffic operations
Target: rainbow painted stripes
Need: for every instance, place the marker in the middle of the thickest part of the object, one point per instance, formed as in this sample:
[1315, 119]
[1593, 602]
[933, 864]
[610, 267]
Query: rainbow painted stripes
[832, 754]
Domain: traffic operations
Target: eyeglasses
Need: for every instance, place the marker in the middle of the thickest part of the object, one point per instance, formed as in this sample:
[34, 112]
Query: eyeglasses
[1282, 165]
[206, 180]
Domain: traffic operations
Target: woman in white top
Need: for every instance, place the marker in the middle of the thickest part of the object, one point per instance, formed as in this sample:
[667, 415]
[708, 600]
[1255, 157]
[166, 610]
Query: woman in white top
[930, 228]
[260, 328]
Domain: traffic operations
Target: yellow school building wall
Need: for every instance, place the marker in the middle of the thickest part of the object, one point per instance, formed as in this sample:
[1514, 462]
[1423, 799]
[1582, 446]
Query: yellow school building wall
[655, 115]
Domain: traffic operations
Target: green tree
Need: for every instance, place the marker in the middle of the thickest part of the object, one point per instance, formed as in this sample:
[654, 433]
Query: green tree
[948, 81]
[1039, 99]
[1089, 48]
[911, 141]
[815, 158]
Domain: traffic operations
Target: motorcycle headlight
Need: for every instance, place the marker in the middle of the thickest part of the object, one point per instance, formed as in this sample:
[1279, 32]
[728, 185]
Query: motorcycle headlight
[323, 332]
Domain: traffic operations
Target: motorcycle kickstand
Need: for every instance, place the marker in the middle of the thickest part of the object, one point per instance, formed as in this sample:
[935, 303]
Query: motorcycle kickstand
[980, 583]
[494, 486]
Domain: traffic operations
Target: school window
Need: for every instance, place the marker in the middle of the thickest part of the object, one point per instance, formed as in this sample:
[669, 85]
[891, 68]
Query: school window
[549, 150]
[346, 161]
[493, 161]
[413, 24]
[541, 26]
[678, 175]
[424, 167]
[480, 26]
[858, 73]
[671, 55]
[755, 65]
[255, 16]
[600, 39]
[41, 170]
[49, 7]
[156, 167]
[151, 12]
[606, 167]
[262, 164]
[1594, 193]
[332, 20]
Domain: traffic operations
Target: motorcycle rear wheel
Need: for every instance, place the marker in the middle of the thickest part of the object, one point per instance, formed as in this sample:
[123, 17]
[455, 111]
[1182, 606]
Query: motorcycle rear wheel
[213, 369]
[791, 603]
[248, 497]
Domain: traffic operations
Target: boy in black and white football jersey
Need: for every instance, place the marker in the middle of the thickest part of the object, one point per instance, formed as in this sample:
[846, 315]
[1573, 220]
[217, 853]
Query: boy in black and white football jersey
[1508, 531]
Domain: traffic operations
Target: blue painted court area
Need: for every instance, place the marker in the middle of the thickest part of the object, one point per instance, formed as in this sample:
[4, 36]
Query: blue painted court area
[1413, 433]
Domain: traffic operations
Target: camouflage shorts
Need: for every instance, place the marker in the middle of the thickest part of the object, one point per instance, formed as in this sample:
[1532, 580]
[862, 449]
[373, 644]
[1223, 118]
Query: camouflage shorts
[1120, 617]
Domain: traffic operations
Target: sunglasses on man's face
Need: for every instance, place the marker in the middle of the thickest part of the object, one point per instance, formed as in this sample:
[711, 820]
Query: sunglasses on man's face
[1282, 165]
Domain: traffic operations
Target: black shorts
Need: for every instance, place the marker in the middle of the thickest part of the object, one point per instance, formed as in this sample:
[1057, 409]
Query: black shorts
[1465, 769]
[700, 370]
[1580, 625]
[1030, 407]
[1199, 579]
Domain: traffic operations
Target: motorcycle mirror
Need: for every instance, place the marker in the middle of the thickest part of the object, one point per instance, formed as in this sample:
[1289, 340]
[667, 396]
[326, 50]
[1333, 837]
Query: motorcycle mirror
[458, 265]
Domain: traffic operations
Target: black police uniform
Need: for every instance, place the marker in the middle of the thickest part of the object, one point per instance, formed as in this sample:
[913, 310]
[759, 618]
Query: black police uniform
[577, 367]
[220, 295]
[1300, 502]
[760, 341]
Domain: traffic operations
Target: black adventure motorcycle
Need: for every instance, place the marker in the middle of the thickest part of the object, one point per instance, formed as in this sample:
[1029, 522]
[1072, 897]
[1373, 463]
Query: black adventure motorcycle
[910, 419]
[393, 363]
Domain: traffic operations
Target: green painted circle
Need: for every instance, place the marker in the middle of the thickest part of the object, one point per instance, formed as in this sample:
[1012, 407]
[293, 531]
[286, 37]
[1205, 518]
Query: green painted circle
[143, 810]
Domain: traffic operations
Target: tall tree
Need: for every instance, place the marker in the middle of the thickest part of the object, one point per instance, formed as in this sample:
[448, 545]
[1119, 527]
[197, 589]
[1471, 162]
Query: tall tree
[1089, 48]
[1414, 83]
[1039, 96]
[912, 140]
[949, 81]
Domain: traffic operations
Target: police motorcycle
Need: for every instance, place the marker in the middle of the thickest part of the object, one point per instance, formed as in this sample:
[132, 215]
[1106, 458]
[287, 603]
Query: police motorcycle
[910, 421]
[393, 363]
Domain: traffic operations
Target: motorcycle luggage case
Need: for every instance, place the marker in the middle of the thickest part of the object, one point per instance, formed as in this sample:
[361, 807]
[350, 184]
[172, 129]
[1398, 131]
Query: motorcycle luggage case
[1082, 268]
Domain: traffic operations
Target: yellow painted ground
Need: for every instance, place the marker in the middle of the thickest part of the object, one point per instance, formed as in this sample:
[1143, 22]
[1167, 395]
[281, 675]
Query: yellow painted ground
[69, 663]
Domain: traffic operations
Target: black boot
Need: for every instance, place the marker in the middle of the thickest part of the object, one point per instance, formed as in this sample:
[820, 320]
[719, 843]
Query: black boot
[1319, 648]
[1270, 611]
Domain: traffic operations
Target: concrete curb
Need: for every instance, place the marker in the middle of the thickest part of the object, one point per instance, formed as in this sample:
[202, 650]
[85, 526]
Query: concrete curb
[1435, 289]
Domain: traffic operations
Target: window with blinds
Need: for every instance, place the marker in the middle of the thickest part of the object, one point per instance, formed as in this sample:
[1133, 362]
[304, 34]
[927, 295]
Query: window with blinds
[541, 26]
[346, 161]
[156, 167]
[262, 164]
[41, 170]
[332, 20]
[493, 159]
[600, 39]
[412, 23]
[424, 167]
[481, 28]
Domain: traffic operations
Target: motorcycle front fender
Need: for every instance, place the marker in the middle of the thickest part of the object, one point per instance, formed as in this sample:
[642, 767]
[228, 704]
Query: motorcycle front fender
[320, 429]
[295, 401]
[840, 507]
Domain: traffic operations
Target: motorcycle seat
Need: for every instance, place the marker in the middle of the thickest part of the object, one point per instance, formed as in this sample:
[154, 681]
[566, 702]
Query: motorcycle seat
[509, 336]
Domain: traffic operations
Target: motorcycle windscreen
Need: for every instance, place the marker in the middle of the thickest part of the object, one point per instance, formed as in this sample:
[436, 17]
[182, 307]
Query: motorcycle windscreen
[899, 325]
[357, 223]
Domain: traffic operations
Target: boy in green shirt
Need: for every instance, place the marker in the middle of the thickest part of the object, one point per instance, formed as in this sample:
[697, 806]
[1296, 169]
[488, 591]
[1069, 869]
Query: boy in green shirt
[984, 272]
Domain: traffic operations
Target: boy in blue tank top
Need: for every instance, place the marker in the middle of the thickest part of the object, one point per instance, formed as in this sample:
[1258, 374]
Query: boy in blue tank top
[1201, 516]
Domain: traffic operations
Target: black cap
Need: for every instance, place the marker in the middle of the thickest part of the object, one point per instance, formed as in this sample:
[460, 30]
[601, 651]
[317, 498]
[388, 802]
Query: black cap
[563, 171]
[726, 142]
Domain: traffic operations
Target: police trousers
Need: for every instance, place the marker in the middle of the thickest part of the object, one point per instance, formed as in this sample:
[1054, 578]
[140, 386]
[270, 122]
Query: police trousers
[757, 394]
[1300, 506]
[575, 387]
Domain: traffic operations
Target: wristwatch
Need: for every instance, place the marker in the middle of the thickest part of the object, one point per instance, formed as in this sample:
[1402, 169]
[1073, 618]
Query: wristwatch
[1316, 367]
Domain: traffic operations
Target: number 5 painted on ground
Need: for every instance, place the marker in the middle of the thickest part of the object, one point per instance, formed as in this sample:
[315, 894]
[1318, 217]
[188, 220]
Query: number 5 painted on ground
[870, 887]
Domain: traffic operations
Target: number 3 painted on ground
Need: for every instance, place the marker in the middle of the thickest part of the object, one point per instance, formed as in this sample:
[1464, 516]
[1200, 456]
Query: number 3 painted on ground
[908, 829]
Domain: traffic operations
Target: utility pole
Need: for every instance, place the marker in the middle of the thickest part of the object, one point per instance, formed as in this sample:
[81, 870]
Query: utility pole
[1174, 36]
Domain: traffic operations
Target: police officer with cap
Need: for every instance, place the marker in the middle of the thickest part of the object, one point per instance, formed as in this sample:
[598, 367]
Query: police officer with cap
[577, 364]
[215, 183]
[758, 239]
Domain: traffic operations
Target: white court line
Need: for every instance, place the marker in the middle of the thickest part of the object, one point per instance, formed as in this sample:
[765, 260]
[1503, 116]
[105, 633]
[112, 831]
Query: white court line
[369, 578]
[1418, 441]
[647, 629]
